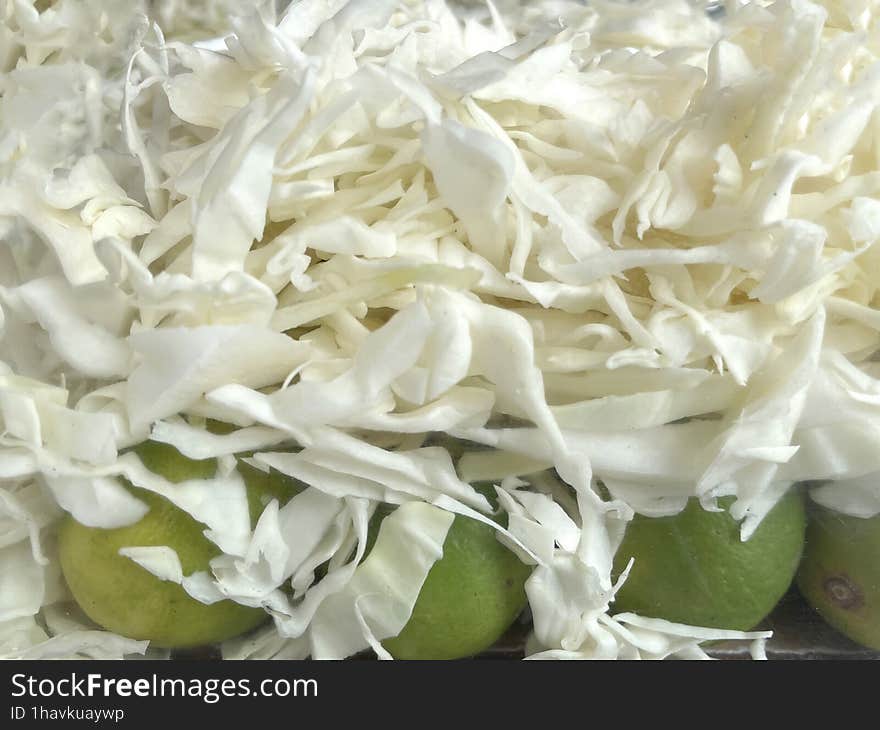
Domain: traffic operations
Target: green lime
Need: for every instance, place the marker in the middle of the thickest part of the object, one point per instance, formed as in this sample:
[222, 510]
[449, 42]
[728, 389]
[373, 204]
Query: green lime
[121, 596]
[693, 568]
[840, 573]
[471, 596]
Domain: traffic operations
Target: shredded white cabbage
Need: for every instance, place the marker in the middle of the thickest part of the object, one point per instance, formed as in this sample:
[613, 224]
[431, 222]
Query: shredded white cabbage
[621, 241]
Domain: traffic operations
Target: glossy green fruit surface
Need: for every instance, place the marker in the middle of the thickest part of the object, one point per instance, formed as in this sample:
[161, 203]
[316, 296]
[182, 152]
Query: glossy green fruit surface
[840, 573]
[693, 568]
[470, 598]
[121, 596]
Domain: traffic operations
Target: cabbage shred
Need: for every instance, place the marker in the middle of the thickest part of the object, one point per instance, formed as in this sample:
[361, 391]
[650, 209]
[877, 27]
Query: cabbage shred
[619, 244]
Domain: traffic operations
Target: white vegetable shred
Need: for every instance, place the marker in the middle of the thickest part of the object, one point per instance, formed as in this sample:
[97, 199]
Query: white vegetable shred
[628, 242]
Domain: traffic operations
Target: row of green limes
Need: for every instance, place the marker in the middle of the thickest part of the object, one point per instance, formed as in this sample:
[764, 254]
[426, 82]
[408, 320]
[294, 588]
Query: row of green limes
[469, 599]
[690, 568]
